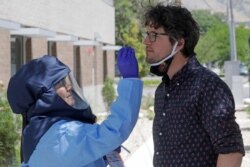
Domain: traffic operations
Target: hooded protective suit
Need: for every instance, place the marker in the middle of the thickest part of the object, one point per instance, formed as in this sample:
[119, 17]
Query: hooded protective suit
[56, 134]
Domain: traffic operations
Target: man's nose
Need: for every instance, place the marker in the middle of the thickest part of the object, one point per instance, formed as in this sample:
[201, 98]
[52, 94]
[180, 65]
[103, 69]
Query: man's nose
[146, 40]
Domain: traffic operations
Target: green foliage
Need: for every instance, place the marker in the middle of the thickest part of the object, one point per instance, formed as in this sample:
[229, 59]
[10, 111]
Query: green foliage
[214, 43]
[206, 19]
[129, 30]
[147, 102]
[147, 106]
[247, 109]
[134, 39]
[9, 135]
[108, 92]
[243, 45]
[150, 114]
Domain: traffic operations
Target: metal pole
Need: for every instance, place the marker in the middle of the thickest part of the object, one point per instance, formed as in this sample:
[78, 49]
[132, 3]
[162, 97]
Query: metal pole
[233, 52]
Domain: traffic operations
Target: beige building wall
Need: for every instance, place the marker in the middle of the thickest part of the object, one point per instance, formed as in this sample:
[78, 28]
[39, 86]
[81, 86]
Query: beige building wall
[5, 66]
[84, 19]
[89, 19]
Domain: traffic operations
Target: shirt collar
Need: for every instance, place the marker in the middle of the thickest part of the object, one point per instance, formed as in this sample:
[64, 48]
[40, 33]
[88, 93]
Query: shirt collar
[184, 73]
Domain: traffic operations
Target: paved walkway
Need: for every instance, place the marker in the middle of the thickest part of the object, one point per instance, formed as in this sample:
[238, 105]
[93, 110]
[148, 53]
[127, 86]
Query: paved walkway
[143, 156]
[243, 119]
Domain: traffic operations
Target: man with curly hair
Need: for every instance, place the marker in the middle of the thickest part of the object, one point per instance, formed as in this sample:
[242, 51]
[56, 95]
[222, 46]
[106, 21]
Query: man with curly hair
[194, 123]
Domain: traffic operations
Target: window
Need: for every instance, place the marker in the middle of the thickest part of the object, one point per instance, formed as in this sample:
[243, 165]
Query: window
[17, 53]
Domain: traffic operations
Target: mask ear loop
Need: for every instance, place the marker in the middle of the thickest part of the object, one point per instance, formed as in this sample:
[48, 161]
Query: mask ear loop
[167, 57]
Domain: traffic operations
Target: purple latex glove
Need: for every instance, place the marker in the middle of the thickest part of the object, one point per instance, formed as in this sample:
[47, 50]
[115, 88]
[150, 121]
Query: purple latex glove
[127, 63]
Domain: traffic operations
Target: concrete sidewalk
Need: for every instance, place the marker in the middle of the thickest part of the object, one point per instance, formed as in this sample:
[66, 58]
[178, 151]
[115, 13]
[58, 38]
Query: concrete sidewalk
[144, 155]
[243, 119]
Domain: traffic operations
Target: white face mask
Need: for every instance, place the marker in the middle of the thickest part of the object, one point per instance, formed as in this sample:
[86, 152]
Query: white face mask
[167, 57]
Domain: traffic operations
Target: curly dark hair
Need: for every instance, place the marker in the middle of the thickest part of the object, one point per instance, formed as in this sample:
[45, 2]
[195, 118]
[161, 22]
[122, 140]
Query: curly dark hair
[177, 21]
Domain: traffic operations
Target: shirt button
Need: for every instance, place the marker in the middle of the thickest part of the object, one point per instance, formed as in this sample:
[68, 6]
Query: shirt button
[164, 114]
[167, 94]
[157, 153]
[177, 84]
[160, 134]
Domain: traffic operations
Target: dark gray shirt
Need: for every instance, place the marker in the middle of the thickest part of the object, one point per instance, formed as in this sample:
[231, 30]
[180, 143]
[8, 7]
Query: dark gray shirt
[194, 119]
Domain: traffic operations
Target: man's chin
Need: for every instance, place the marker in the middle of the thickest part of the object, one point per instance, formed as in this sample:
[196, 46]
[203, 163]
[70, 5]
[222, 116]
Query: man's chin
[150, 61]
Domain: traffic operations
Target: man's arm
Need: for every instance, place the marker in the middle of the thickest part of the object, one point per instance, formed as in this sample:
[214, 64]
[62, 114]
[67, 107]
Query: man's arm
[229, 160]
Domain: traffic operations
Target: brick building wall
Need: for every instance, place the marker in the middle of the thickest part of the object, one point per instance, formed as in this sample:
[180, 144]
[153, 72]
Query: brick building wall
[110, 60]
[64, 51]
[98, 65]
[87, 60]
[39, 47]
[5, 66]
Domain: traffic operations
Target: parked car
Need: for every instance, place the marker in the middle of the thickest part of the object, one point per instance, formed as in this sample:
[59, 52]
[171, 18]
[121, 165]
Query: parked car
[243, 69]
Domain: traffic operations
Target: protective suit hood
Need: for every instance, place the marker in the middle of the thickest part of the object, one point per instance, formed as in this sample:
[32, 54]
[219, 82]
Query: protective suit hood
[34, 79]
[31, 93]
[31, 89]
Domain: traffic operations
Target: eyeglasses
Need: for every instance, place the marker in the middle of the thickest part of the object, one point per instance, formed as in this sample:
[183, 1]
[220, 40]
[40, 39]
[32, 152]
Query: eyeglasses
[152, 35]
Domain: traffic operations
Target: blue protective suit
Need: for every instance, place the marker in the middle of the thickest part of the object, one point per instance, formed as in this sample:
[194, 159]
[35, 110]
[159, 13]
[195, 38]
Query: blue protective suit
[58, 135]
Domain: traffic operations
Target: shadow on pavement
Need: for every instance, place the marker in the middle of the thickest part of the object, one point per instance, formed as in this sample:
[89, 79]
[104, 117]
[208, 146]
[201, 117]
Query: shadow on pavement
[245, 129]
[247, 148]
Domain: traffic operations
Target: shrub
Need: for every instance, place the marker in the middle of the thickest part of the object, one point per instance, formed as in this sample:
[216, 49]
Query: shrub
[248, 110]
[147, 106]
[108, 92]
[10, 126]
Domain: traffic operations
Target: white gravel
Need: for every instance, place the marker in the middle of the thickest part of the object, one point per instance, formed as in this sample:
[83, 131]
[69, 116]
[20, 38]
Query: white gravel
[139, 135]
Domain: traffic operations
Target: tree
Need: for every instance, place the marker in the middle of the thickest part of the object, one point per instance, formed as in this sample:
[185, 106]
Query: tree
[207, 20]
[214, 45]
[242, 44]
[129, 30]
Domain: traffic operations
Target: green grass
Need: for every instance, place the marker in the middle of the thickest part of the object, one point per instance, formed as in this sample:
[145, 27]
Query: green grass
[248, 110]
[151, 82]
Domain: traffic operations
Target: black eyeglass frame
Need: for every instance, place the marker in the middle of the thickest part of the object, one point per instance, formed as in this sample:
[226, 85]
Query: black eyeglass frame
[152, 35]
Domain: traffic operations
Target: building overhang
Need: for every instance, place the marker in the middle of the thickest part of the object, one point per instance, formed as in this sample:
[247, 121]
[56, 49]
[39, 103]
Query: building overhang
[33, 32]
[9, 25]
[111, 47]
[86, 43]
[63, 38]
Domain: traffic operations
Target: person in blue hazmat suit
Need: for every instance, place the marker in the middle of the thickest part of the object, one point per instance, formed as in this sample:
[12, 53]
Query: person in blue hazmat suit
[59, 126]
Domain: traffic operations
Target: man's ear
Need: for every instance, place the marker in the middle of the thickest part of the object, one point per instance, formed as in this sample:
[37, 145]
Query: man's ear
[181, 43]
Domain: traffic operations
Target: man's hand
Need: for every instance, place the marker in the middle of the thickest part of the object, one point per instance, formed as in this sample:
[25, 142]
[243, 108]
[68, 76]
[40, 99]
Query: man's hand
[127, 63]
